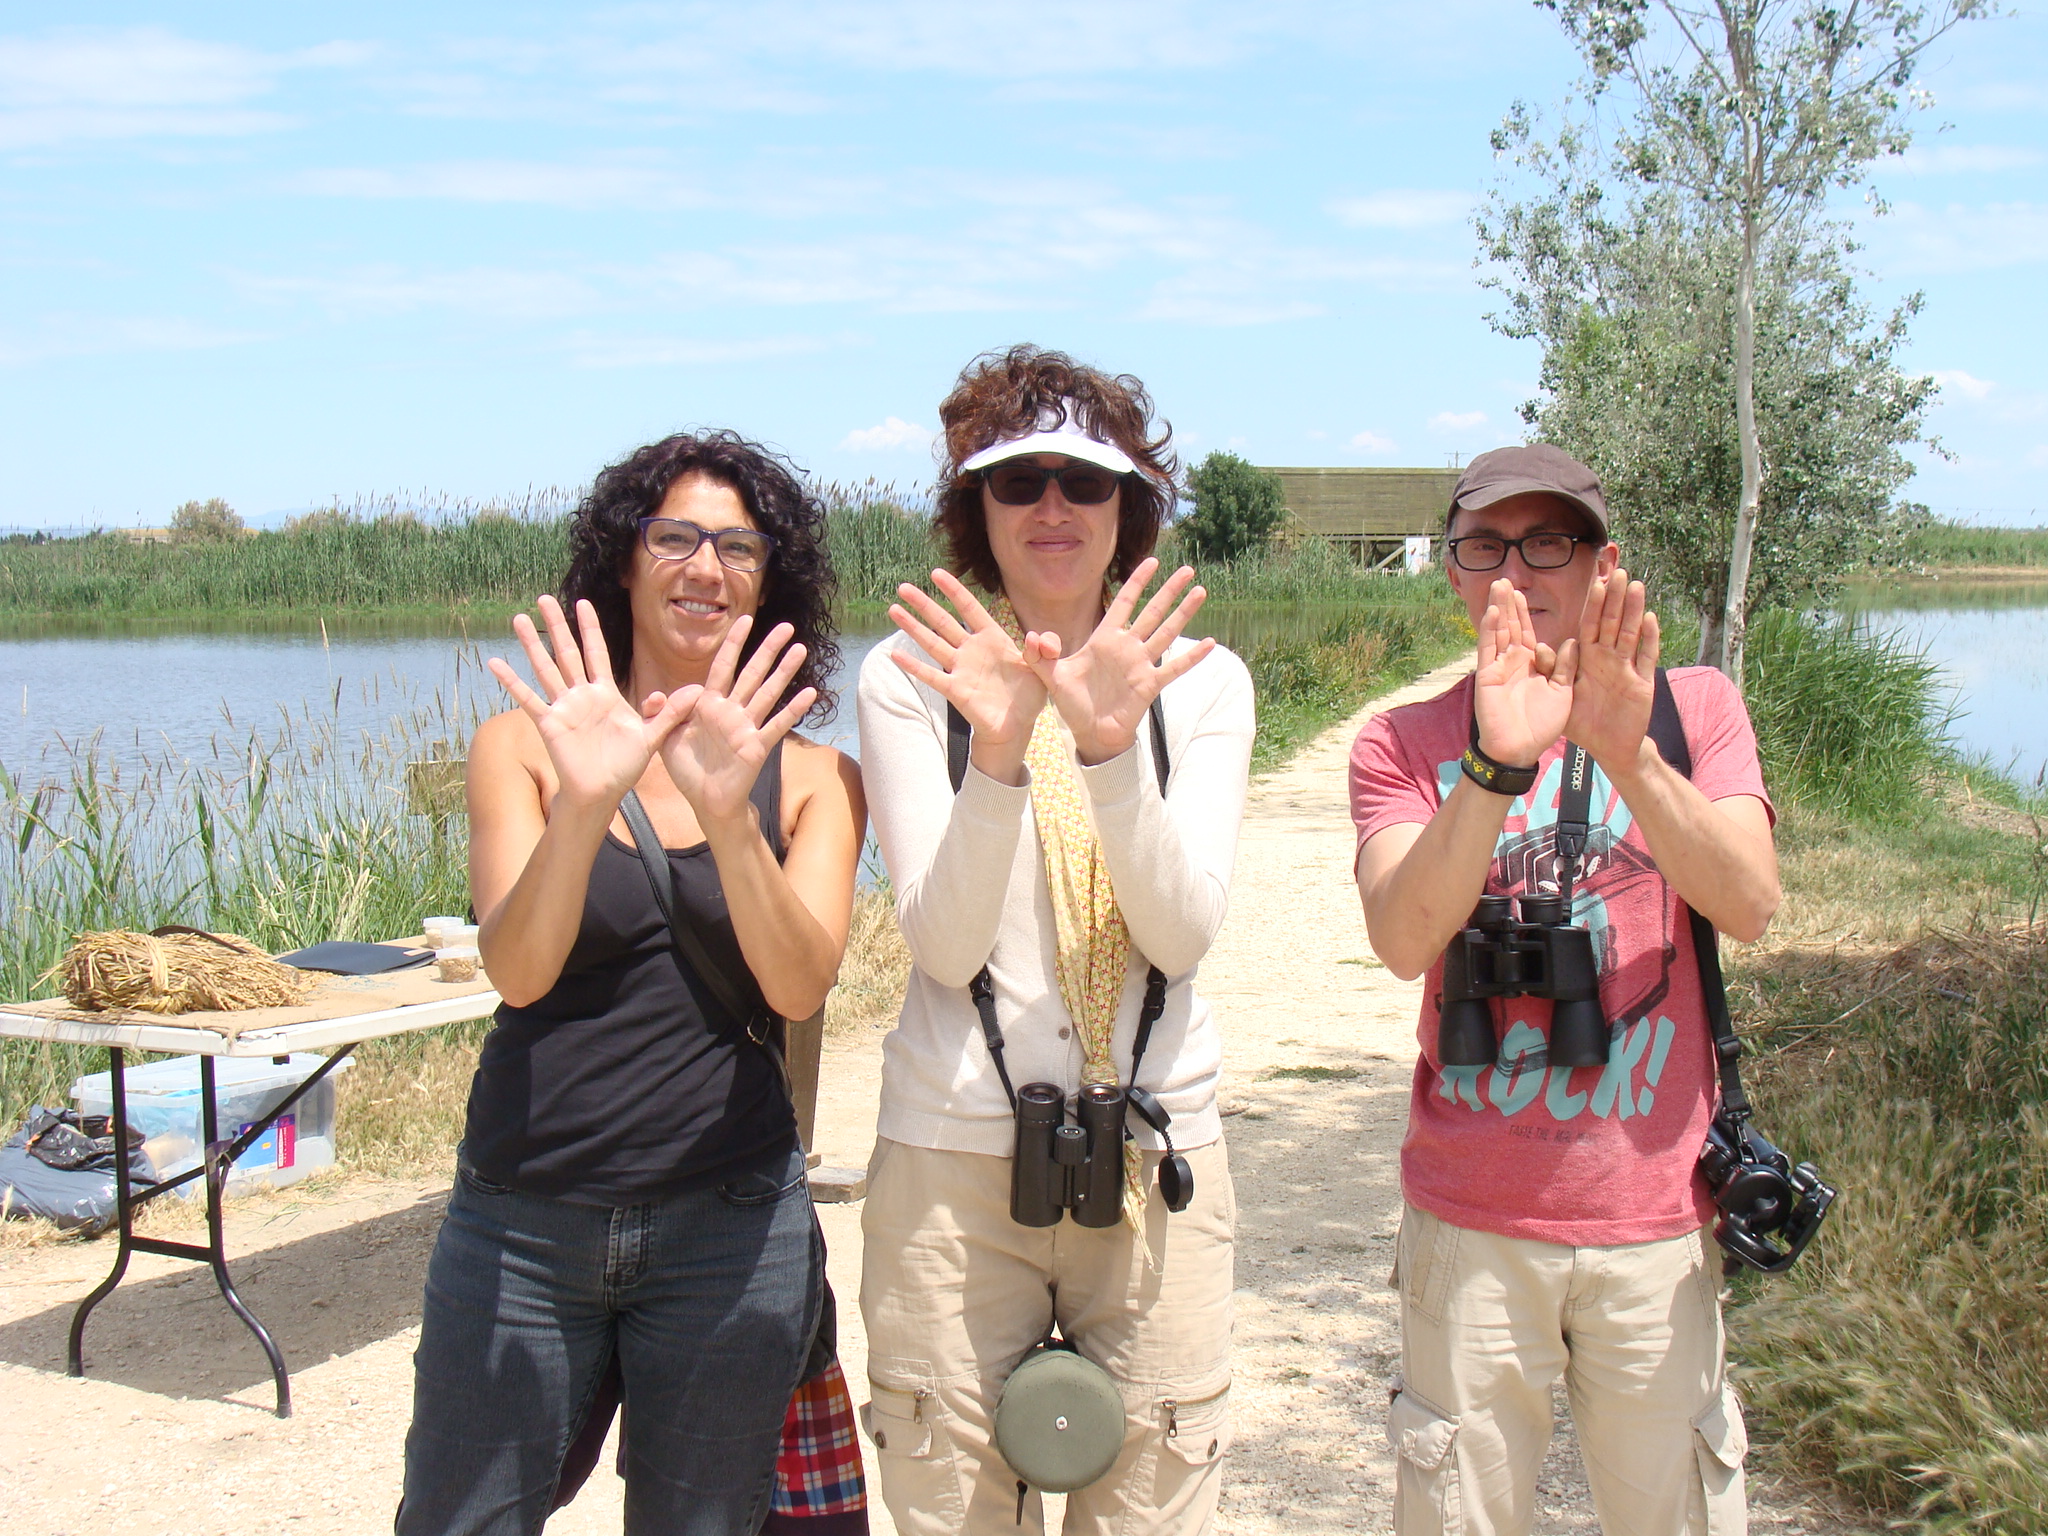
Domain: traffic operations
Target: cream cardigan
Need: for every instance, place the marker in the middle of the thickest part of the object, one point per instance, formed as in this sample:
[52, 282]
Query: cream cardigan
[970, 890]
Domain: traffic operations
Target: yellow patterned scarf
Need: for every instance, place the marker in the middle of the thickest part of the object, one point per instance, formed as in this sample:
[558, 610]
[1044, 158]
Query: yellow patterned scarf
[1094, 945]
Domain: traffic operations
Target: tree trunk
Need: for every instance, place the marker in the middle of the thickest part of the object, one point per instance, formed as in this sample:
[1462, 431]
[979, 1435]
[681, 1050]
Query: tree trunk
[1735, 607]
[1711, 631]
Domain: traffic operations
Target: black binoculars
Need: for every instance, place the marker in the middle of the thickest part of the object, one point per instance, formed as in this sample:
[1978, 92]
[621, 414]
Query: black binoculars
[1079, 1167]
[1540, 955]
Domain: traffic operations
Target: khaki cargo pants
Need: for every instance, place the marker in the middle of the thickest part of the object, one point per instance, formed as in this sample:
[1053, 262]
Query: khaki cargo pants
[1488, 1323]
[954, 1293]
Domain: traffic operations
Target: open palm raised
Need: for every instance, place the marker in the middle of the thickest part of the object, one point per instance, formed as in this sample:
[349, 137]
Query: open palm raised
[598, 743]
[1103, 690]
[975, 666]
[732, 724]
[1522, 692]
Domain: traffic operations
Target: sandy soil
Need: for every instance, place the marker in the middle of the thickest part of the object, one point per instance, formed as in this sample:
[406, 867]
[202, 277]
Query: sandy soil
[171, 1433]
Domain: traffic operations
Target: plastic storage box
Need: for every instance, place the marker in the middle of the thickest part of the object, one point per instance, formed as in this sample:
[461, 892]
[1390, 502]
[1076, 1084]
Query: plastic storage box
[163, 1104]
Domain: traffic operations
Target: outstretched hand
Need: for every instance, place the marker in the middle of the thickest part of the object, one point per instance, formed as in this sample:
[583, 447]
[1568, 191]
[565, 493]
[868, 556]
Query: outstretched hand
[975, 666]
[1522, 692]
[1618, 646]
[1103, 690]
[598, 743]
[732, 723]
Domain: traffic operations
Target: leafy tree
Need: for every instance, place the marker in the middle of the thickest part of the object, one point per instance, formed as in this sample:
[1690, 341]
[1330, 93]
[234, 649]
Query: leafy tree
[205, 522]
[1752, 111]
[1635, 306]
[1237, 507]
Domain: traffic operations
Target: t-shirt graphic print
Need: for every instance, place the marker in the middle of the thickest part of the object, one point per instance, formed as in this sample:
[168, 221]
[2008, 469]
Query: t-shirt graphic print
[1589, 1156]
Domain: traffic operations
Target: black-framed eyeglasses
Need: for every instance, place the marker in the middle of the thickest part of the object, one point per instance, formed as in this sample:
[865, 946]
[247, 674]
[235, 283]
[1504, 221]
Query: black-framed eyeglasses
[738, 549]
[1019, 482]
[1540, 551]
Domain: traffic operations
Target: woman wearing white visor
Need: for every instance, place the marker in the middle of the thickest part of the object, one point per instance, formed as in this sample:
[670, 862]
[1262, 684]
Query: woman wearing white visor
[1056, 776]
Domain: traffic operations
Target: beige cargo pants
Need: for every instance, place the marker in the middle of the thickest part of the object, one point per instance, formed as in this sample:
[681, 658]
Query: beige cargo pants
[1488, 1323]
[953, 1293]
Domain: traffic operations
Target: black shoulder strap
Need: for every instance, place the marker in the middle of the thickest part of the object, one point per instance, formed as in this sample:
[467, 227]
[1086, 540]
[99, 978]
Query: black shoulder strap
[959, 736]
[691, 955]
[1667, 730]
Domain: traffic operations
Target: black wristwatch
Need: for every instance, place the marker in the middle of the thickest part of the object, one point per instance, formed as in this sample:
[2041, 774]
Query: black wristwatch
[1495, 778]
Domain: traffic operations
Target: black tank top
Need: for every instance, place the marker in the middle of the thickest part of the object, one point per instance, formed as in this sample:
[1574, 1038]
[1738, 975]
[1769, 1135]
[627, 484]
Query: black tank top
[625, 1082]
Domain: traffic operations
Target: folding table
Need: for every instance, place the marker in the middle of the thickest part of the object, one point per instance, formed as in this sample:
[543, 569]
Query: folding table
[343, 1013]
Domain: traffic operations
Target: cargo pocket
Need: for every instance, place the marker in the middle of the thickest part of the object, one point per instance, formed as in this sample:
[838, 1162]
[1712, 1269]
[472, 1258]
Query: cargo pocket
[1427, 1497]
[1197, 1428]
[913, 1451]
[1721, 1443]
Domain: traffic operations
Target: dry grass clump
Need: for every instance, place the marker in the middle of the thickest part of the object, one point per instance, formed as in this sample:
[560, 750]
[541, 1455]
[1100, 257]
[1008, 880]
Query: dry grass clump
[1903, 1357]
[185, 972]
[875, 971]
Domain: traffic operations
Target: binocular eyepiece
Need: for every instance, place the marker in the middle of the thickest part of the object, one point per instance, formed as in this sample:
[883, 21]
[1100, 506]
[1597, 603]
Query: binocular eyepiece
[1521, 947]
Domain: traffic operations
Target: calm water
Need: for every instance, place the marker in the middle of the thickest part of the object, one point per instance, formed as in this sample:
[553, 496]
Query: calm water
[1991, 640]
[149, 695]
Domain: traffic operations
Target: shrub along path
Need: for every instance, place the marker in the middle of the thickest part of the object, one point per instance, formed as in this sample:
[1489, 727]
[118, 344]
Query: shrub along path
[169, 1433]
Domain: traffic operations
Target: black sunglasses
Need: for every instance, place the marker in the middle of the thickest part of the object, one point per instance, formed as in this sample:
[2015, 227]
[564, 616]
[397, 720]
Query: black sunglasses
[1540, 551]
[1020, 483]
[738, 549]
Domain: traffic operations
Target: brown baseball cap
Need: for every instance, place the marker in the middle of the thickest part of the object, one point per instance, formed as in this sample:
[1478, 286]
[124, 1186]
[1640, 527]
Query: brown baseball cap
[1505, 472]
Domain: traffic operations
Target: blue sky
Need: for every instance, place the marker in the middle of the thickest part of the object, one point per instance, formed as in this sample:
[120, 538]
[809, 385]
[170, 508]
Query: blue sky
[280, 254]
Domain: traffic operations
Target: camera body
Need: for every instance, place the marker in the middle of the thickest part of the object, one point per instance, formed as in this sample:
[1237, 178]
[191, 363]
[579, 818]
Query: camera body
[1762, 1194]
[1521, 947]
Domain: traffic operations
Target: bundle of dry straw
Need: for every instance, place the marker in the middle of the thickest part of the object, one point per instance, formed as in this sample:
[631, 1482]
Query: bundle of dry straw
[175, 971]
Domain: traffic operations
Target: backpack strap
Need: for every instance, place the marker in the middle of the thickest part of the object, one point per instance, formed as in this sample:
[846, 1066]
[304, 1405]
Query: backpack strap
[959, 737]
[1667, 730]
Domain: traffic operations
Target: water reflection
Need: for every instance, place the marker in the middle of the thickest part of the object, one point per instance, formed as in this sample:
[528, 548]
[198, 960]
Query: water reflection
[1990, 638]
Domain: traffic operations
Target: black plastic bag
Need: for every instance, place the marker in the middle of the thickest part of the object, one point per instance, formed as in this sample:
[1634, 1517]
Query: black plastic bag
[55, 1166]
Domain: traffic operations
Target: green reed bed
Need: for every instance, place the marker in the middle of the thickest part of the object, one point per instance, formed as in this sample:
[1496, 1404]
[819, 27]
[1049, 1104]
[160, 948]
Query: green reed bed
[327, 563]
[287, 837]
[1947, 545]
[1898, 1042]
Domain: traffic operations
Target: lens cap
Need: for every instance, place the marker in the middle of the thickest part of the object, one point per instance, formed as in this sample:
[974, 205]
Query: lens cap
[1176, 1182]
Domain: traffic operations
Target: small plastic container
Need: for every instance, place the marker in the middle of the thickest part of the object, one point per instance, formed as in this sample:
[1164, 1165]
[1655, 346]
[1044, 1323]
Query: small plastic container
[460, 934]
[459, 962]
[163, 1104]
[436, 930]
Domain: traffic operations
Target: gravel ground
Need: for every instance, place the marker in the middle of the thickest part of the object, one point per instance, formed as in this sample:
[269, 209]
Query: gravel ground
[170, 1434]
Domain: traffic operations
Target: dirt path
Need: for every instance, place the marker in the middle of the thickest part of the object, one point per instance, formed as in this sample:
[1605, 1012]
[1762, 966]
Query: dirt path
[169, 1433]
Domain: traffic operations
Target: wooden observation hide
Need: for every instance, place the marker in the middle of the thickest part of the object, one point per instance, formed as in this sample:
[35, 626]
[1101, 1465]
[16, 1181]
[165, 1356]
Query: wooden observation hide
[1371, 512]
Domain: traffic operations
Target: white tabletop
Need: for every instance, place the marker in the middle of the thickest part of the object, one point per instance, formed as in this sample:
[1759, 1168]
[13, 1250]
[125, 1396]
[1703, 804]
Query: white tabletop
[350, 1029]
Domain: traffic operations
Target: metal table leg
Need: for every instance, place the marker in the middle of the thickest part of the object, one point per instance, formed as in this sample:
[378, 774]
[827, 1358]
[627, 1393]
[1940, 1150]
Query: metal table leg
[219, 1158]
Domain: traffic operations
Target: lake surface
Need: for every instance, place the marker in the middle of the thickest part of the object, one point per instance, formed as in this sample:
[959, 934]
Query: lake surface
[150, 695]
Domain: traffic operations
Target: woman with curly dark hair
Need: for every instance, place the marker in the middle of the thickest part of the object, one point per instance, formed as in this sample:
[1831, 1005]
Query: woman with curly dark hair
[1057, 775]
[630, 1194]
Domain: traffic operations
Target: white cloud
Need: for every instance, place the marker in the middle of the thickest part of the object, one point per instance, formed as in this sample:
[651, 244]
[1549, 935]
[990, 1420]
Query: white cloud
[1369, 441]
[588, 351]
[82, 83]
[1401, 208]
[62, 335]
[495, 292]
[1955, 381]
[1962, 237]
[1960, 160]
[892, 435]
[1457, 421]
[512, 181]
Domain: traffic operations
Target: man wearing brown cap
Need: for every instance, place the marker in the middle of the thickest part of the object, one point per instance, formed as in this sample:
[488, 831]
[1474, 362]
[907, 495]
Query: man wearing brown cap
[1554, 1209]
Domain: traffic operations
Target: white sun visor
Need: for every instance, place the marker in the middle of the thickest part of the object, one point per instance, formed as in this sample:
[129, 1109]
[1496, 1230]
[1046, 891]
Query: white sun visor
[1066, 438]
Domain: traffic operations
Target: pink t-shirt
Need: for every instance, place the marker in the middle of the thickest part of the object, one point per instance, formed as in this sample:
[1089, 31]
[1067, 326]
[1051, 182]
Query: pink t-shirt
[1590, 1156]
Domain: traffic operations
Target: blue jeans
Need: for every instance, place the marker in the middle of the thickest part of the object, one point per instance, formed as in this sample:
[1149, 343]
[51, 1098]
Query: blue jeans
[709, 1300]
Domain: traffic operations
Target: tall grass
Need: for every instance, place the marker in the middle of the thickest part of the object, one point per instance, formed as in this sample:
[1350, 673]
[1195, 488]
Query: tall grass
[1942, 545]
[1846, 719]
[1903, 1358]
[880, 537]
[287, 837]
[328, 562]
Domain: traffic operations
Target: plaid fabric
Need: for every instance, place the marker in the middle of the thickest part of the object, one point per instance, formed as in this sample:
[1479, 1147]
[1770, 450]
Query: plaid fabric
[819, 1472]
